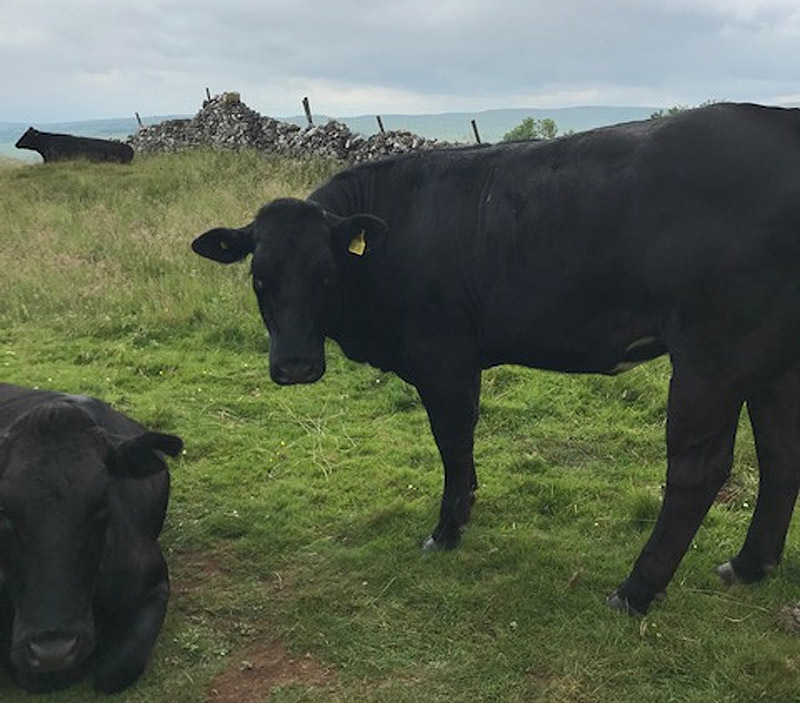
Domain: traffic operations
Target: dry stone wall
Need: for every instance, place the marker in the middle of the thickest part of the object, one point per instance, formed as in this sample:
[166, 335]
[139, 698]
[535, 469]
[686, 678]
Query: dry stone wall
[225, 122]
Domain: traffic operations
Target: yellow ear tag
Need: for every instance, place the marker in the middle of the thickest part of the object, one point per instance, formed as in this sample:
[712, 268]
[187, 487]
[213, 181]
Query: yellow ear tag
[358, 244]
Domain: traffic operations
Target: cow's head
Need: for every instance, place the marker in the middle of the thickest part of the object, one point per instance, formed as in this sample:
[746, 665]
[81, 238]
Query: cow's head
[27, 140]
[56, 471]
[301, 255]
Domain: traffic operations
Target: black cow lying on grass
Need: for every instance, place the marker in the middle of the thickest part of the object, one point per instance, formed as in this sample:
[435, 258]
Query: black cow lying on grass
[585, 254]
[62, 147]
[83, 583]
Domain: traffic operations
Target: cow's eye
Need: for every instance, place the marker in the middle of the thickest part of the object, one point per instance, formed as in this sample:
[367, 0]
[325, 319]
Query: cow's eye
[258, 284]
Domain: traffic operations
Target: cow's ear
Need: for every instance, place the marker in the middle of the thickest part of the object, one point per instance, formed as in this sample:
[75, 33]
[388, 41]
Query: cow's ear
[225, 245]
[358, 235]
[139, 457]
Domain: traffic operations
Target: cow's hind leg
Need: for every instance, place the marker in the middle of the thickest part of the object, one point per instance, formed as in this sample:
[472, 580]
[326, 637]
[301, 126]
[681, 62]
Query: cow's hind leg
[451, 401]
[775, 417]
[701, 429]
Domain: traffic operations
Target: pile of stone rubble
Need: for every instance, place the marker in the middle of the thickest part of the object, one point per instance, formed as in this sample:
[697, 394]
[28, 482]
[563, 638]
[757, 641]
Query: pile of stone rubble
[225, 122]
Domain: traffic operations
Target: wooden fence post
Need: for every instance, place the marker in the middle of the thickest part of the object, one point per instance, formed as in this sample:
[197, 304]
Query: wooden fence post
[380, 124]
[139, 120]
[475, 131]
[307, 108]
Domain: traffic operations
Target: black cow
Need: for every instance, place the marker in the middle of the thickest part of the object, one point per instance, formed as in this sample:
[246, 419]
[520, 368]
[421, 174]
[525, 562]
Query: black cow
[83, 583]
[62, 147]
[585, 254]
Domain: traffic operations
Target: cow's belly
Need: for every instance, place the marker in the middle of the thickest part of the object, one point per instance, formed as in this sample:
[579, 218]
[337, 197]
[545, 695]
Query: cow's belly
[608, 344]
[589, 359]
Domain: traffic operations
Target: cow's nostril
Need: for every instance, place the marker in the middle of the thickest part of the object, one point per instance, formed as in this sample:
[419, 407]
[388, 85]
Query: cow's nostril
[52, 653]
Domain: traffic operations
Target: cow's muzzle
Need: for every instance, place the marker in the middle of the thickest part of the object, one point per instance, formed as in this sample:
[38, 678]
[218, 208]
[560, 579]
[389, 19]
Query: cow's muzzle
[52, 659]
[288, 373]
[53, 652]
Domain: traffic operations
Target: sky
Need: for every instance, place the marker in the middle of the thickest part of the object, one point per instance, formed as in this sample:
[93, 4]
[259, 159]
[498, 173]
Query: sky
[93, 59]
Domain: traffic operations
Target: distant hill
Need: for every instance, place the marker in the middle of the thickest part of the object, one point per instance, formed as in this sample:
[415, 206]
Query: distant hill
[493, 124]
[450, 126]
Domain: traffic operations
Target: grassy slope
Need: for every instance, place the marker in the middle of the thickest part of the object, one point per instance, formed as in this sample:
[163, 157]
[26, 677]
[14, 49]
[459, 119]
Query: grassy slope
[297, 512]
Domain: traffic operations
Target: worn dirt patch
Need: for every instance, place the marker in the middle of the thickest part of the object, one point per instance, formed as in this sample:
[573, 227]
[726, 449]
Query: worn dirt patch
[788, 618]
[256, 670]
[194, 572]
[261, 663]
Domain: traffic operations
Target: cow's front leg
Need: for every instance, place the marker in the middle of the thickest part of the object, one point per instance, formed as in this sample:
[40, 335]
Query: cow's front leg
[451, 401]
[775, 416]
[701, 428]
[125, 639]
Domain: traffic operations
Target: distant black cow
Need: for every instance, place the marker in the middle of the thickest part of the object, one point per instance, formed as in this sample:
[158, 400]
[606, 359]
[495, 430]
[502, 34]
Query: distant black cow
[62, 147]
[586, 254]
[83, 583]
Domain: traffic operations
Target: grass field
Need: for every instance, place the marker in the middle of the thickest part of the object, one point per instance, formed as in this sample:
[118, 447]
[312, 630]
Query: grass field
[297, 513]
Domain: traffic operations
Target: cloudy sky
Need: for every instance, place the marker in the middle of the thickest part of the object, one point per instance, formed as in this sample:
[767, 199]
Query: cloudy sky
[87, 59]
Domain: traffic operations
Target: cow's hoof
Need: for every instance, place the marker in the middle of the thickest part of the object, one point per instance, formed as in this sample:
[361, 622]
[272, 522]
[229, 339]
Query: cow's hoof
[726, 573]
[616, 602]
[432, 544]
[729, 575]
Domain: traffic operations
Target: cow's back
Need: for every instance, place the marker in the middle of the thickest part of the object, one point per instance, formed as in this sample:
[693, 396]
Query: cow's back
[561, 254]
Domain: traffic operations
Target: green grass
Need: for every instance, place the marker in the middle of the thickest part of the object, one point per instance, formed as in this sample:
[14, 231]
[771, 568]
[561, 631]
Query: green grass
[297, 513]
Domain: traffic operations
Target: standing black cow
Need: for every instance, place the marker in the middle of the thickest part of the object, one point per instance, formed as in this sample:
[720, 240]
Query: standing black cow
[586, 254]
[62, 147]
[83, 583]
